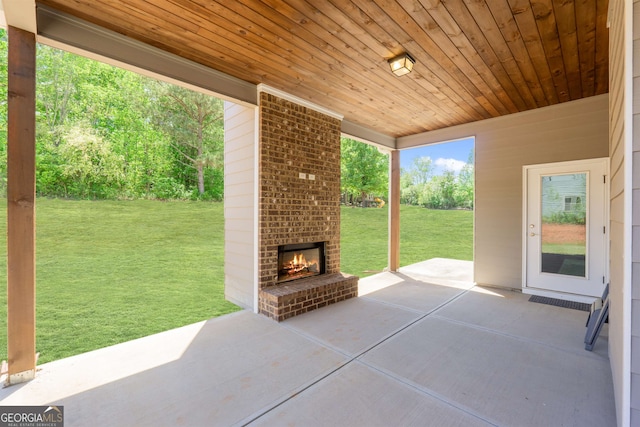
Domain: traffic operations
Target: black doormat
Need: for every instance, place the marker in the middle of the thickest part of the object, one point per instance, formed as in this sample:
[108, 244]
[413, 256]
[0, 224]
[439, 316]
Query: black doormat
[582, 306]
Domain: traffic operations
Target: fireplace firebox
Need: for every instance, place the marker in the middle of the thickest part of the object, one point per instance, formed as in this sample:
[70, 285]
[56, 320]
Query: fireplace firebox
[300, 260]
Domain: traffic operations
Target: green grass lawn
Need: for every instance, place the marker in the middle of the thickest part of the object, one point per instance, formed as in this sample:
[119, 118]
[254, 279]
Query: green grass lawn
[109, 272]
[424, 234]
[112, 271]
[564, 248]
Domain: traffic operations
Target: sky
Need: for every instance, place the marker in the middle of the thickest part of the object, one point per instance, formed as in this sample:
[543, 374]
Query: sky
[446, 155]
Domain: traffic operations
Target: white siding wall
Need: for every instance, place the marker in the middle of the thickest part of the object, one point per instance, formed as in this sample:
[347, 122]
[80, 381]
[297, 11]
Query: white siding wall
[569, 131]
[619, 128]
[240, 165]
[634, 152]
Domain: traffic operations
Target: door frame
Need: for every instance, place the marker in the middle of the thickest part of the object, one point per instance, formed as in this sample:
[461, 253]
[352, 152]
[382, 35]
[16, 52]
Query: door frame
[524, 230]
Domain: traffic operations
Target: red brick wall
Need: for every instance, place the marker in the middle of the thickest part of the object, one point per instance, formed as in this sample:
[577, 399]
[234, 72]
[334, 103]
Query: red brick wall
[297, 140]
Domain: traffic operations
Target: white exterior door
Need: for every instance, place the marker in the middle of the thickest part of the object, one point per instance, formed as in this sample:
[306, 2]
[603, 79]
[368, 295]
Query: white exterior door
[565, 233]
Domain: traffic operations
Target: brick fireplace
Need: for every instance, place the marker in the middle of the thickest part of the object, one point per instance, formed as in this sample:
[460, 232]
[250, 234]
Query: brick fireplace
[299, 205]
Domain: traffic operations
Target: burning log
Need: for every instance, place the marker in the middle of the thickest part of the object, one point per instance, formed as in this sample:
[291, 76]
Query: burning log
[299, 265]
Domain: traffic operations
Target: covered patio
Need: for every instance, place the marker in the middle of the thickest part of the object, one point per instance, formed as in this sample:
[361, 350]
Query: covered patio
[535, 83]
[421, 346]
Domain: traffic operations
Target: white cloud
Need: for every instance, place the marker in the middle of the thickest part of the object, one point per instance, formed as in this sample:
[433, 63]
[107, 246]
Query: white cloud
[450, 164]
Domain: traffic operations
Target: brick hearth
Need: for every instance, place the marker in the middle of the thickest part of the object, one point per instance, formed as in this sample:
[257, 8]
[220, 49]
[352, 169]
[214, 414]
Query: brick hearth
[299, 296]
[299, 202]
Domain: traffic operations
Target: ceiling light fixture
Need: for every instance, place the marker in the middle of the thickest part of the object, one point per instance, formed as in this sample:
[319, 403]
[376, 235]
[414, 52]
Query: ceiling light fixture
[401, 64]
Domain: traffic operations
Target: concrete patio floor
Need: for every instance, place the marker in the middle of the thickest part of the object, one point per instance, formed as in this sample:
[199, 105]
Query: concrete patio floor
[420, 347]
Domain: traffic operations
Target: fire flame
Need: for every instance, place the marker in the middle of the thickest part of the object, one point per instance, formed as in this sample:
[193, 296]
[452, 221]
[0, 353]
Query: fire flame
[298, 263]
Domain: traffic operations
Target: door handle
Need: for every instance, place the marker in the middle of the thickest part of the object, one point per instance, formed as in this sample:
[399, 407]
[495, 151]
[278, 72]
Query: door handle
[533, 234]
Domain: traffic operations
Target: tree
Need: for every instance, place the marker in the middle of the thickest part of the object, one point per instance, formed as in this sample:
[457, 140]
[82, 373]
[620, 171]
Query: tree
[84, 107]
[90, 164]
[465, 189]
[194, 123]
[445, 191]
[56, 85]
[122, 117]
[364, 169]
[414, 181]
[421, 170]
[440, 191]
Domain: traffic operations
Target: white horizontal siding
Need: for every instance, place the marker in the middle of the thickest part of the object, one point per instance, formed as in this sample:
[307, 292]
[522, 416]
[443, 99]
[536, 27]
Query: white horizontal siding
[240, 164]
[623, 308]
[238, 156]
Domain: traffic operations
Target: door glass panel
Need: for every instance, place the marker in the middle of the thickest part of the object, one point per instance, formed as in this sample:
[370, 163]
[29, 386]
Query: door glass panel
[564, 224]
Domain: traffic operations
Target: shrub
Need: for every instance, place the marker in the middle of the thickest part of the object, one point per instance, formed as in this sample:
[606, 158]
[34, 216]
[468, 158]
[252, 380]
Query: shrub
[564, 217]
[167, 188]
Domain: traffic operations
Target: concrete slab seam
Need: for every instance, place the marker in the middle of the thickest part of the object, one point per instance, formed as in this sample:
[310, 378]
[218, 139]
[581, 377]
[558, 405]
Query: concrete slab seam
[258, 414]
[429, 392]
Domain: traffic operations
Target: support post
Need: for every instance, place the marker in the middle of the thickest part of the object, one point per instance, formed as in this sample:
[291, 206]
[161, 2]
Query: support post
[21, 161]
[394, 211]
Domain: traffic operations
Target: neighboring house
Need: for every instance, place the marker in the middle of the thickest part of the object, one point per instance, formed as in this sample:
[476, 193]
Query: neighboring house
[563, 193]
[315, 95]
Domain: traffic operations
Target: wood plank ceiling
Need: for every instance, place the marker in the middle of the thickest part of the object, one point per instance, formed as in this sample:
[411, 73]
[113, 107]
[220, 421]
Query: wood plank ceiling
[475, 59]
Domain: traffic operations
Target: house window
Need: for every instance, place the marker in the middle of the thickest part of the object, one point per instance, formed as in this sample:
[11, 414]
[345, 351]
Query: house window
[573, 203]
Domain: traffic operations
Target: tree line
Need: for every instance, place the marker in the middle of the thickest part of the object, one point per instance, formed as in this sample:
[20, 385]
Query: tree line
[365, 178]
[106, 133]
[450, 190]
